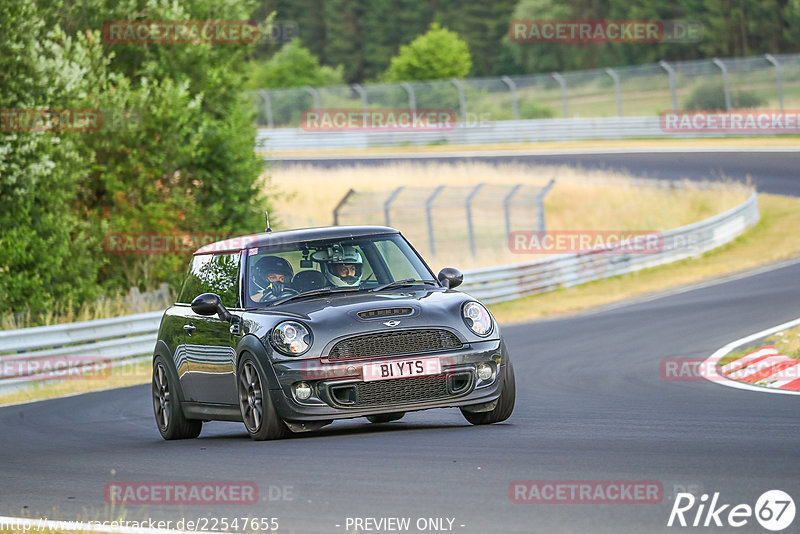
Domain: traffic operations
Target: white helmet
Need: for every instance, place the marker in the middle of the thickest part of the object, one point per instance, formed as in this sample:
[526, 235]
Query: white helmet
[335, 256]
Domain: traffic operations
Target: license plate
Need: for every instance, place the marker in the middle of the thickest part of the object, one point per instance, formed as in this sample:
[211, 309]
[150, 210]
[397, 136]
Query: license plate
[402, 369]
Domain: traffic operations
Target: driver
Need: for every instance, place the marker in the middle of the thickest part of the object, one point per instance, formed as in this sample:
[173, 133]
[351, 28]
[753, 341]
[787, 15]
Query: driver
[268, 279]
[341, 265]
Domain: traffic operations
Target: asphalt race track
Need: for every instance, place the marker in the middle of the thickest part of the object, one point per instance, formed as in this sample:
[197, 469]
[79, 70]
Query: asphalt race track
[591, 405]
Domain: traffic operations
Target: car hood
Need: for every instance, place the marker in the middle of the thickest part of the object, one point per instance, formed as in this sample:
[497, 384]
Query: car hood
[334, 317]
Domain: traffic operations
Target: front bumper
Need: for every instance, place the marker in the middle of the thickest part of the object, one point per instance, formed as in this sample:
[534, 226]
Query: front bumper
[340, 393]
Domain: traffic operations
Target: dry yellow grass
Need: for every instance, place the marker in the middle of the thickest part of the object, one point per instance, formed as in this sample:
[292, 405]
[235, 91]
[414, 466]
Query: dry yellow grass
[788, 342]
[580, 200]
[774, 238]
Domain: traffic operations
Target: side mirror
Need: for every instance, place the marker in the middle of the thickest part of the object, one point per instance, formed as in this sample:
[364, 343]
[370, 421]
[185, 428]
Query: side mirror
[450, 277]
[209, 304]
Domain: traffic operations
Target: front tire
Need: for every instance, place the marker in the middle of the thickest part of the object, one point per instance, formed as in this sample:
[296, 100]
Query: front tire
[258, 413]
[505, 404]
[170, 419]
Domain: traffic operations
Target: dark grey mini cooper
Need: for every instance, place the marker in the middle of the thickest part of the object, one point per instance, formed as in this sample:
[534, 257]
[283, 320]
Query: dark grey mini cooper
[288, 331]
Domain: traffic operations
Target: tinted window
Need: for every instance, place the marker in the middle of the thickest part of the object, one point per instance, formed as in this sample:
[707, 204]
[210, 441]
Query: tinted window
[209, 273]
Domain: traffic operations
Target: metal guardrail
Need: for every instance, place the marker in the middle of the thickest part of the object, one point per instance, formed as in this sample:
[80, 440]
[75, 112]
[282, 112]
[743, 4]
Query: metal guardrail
[522, 131]
[124, 338]
[44, 352]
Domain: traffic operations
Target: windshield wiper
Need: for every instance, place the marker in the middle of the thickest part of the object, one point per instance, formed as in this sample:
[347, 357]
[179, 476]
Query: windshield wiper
[400, 283]
[315, 293]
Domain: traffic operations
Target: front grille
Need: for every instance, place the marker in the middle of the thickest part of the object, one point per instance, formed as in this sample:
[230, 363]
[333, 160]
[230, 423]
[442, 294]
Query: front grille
[393, 343]
[384, 312]
[403, 391]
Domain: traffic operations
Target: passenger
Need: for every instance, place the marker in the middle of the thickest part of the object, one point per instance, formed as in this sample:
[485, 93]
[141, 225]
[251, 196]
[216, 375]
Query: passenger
[341, 265]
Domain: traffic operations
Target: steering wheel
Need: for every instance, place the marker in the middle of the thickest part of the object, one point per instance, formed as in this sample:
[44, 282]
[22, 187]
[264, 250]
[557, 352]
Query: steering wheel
[287, 292]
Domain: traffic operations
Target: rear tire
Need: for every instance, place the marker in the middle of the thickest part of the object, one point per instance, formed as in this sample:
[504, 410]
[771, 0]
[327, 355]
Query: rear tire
[258, 413]
[385, 417]
[505, 404]
[170, 419]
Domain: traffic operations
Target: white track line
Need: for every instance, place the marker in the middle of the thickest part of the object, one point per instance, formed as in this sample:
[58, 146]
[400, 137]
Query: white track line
[709, 367]
[24, 524]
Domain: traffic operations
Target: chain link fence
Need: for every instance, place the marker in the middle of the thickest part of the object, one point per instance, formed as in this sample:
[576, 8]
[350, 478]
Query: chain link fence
[770, 82]
[449, 222]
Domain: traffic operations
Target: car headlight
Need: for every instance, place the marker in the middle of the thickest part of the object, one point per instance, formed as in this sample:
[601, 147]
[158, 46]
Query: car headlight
[477, 318]
[291, 338]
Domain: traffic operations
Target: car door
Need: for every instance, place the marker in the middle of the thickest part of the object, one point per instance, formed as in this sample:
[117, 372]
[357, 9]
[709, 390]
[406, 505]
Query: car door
[208, 349]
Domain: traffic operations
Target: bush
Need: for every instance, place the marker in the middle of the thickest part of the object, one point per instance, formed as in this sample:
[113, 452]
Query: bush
[49, 254]
[711, 95]
[292, 66]
[437, 54]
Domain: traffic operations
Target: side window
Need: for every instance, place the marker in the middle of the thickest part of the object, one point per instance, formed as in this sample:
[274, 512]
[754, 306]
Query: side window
[213, 273]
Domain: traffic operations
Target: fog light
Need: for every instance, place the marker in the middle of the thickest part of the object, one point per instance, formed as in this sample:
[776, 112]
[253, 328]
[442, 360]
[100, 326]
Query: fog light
[485, 371]
[302, 391]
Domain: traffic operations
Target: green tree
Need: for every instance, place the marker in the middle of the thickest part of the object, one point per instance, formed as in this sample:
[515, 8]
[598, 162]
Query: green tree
[439, 53]
[181, 161]
[482, 25]
[49, 253]
[293, 66]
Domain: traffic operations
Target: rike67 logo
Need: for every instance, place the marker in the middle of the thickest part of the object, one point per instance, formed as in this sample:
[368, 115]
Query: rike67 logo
[774, 510]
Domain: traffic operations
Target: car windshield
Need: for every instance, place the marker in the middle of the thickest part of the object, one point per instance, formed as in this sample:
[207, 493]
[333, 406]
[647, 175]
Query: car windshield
[276, 273]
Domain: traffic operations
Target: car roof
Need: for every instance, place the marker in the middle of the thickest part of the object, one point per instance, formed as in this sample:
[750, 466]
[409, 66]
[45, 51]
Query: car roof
[300, 235]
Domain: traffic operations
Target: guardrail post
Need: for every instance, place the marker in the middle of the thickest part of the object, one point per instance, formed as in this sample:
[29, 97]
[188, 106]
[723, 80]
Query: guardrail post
[541, 226]
[507, 208]
[617, 90]
[563, 83]
[362, 93]
[339, 206]
[388, 203]
[268, 105]
[512, 87]
[462, 99]
[314, 94]
[429, 216]
[412, 100]
[671, 73]
[771, 59]
[469, 217]
[727, 88]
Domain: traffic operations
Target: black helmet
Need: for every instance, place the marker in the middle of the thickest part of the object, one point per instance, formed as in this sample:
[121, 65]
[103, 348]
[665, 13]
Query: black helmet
[267, 265]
